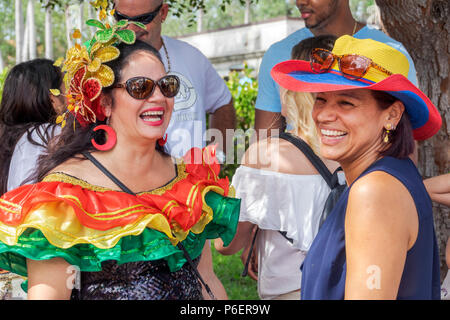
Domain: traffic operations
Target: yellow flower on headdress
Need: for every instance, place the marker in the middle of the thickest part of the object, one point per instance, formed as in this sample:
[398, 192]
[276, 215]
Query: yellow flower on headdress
[58, 62]
[85, 71]
[99, 55]
[100, 3]
[102, 14]
[76, 34]
[77, 57]
[103, 5]
[55, 92]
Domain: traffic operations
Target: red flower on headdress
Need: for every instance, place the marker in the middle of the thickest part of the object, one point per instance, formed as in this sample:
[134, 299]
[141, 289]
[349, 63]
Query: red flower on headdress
[85, 71]
[84, 98]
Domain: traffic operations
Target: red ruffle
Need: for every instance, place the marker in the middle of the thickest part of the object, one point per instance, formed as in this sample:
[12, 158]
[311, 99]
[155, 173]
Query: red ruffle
[181, 203]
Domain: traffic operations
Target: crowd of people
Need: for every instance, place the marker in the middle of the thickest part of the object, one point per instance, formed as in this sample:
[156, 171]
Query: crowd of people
[103, 175]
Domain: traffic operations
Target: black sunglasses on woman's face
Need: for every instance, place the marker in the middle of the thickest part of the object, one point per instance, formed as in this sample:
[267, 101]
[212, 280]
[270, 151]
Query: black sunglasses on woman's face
[145, 18]
[143, 87]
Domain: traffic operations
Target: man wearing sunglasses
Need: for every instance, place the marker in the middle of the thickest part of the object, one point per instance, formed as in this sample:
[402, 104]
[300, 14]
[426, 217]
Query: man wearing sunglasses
[202, 90]
[321, 17]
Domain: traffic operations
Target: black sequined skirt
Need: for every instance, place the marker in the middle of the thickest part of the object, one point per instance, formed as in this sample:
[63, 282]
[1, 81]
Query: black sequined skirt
[144, 280]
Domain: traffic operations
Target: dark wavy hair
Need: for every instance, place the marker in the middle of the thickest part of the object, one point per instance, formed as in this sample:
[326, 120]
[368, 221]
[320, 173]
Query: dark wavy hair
[401, 139]
[75, 139]
[25, 105]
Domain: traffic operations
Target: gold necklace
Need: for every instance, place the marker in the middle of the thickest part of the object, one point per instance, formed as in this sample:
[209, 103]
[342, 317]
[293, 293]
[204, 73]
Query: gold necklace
[354, 28]
[167, 55]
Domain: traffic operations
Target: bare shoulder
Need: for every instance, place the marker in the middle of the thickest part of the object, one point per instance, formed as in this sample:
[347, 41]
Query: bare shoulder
[377, 183]
[256, 154]
[80, 168]
[379, 200]
[71, 166]
[379, 188]
[278, 155]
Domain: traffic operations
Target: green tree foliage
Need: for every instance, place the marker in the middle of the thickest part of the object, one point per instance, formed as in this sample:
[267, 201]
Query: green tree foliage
[244, 89]
[7, 32]
[225, 13]
[3, 75]
[267, 9]
[181, 20]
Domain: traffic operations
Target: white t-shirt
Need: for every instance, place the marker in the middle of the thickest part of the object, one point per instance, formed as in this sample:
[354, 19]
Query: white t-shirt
[25, 156]
[202, 91]
[281, 202]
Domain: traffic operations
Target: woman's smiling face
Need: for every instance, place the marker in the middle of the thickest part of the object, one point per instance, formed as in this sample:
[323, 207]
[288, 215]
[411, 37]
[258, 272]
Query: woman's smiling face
[350, 124]
[147, 118]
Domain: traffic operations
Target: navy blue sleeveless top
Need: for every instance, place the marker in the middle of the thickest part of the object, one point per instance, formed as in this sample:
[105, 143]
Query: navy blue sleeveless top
[324, 268]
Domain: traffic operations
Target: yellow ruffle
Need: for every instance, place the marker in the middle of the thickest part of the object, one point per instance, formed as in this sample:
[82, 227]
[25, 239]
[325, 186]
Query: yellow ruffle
[65, 230]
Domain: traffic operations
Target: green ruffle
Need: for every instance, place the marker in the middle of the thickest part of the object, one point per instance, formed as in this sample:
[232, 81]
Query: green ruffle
[149, 245]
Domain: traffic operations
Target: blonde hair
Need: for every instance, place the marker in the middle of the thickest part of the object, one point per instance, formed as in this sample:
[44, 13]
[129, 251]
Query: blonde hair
[299, 116]
[299, 105]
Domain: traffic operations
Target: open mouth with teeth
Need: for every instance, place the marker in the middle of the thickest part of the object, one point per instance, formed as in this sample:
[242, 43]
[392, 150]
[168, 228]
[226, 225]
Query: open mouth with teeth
[153, 117]
[332, 134]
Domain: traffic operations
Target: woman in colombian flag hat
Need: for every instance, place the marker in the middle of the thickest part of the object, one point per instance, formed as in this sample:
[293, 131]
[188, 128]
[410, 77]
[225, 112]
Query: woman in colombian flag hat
[379, 241]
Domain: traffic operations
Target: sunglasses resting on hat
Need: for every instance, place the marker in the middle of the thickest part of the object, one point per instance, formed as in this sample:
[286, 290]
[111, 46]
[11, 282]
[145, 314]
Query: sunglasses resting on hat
[142, 87]
[145, 18]
[352, 66]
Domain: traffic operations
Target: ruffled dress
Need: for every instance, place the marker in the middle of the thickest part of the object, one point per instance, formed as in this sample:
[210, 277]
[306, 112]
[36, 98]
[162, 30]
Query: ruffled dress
[124, 245]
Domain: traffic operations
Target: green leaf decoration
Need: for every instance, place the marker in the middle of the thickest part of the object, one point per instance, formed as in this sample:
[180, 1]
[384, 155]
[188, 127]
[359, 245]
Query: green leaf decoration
[88, 44]
[95, 23]
[127, 36]
[139, 24]
[121, 23]
[104, 35]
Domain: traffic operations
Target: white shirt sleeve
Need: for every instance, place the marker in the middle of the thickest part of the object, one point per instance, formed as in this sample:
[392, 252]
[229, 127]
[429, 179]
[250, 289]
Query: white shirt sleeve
[23, 162]
[216, 90]
[24, 159]
[282, 202]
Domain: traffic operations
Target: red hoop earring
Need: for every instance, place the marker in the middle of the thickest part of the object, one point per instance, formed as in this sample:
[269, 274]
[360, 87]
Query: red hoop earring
[162, 141]
[110, 140]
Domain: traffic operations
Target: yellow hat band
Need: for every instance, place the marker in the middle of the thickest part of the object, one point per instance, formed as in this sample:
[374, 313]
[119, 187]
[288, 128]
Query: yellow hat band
[380, 53]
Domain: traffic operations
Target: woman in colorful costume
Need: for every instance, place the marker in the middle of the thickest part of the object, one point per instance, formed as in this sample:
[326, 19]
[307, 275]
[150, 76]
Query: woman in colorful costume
[379, 241]
[110, 203]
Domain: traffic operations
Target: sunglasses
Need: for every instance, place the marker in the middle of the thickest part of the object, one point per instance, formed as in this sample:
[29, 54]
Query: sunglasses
[352, 66]
[145, 18]
[143, 87]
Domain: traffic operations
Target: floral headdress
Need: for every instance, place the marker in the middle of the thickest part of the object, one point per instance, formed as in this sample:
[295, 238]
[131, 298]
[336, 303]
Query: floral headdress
[85, 71]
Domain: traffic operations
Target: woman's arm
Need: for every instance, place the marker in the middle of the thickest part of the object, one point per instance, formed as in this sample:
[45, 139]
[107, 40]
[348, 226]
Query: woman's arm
[51, 279]
[206, 270]
[439, 188]
[241, 238]
[381, 225]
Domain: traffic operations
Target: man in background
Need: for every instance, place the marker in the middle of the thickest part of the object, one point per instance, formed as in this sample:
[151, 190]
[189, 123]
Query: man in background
[321, 17]
[202, 90]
